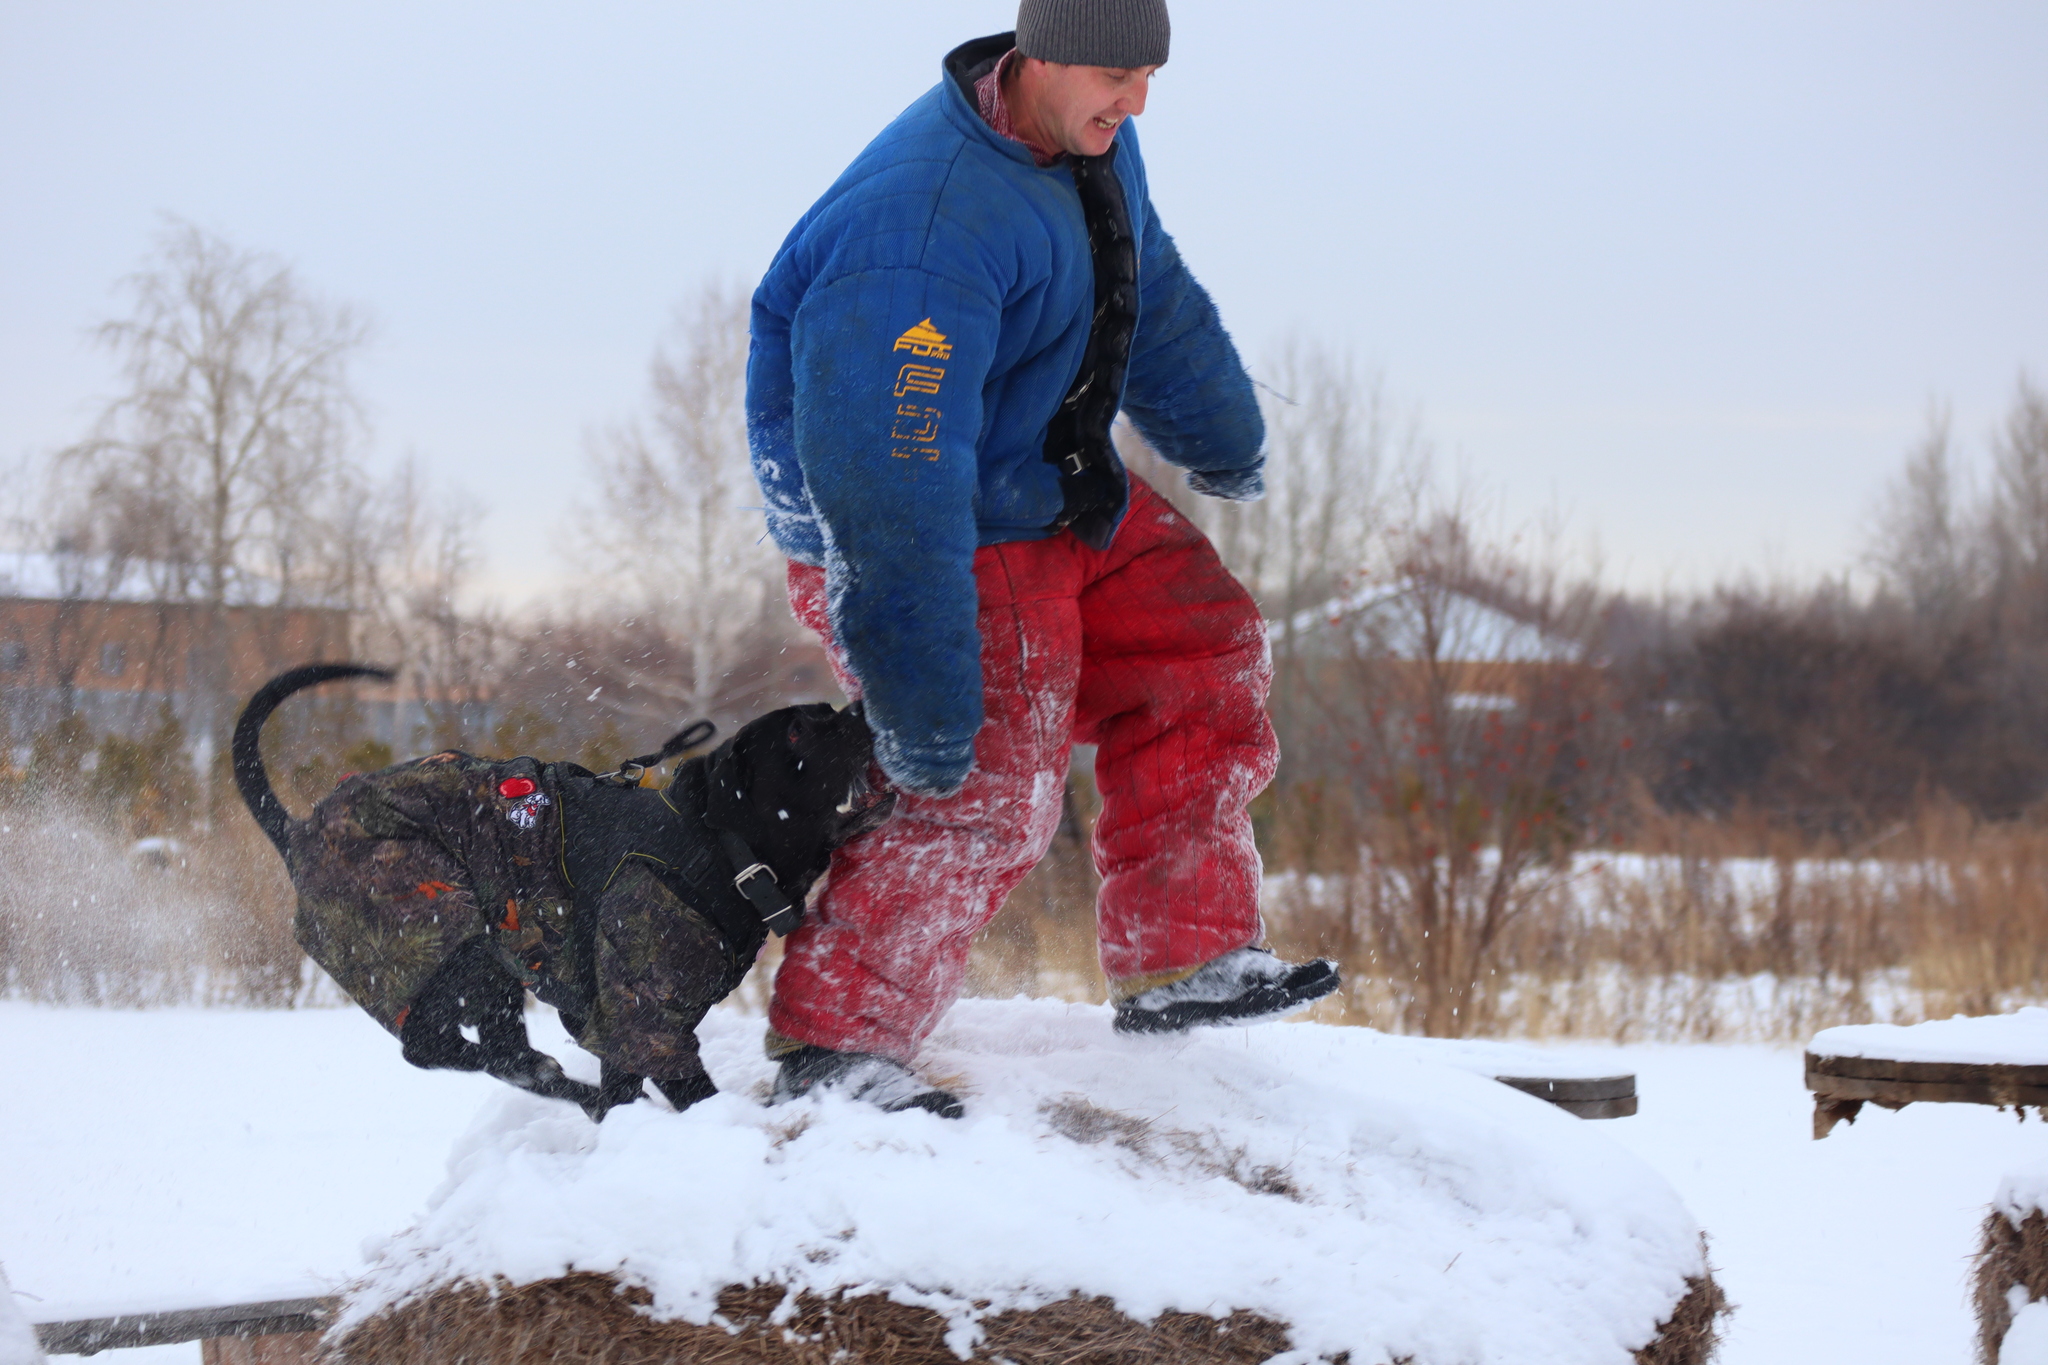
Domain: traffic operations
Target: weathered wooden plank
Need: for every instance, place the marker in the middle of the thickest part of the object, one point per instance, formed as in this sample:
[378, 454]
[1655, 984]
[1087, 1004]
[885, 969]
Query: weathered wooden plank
[1590, 1097]
[86, 1336]
[1827, 1113]
[1892, 1090]
[1619, 1108]
[1555, 1088]
[1945, 1073]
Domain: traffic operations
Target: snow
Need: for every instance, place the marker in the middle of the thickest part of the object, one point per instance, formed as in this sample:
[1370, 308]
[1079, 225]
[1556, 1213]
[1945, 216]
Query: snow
[181, 1157]
[1378, 1201]
[17, 1338]
[2023, 1190]
[186, 1158]
[1483, 1057]
[2026, 1341]
[2016, 1039]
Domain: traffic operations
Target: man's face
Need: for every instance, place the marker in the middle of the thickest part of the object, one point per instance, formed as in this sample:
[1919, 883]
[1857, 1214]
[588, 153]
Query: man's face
[1081, 107]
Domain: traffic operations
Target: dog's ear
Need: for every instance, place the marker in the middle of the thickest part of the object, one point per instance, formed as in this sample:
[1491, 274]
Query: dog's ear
[728, 772]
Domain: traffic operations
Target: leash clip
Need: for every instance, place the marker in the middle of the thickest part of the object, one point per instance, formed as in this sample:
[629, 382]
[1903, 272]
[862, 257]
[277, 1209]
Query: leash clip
[629, 773]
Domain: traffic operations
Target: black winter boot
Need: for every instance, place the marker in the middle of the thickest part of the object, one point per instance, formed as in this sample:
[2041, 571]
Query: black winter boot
[1249, 986]
[875, 1079]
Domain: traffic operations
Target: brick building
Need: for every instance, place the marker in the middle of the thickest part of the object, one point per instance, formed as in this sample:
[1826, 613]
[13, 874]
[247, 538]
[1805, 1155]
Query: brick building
[108, 641]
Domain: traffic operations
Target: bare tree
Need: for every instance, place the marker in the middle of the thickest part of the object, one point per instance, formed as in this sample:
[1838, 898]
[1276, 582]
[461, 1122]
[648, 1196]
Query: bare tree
[1335, 450]
[1463, 749]
[221, 464]
[2019, 515]
[1927, 550]
[406, 557]
[674, 532]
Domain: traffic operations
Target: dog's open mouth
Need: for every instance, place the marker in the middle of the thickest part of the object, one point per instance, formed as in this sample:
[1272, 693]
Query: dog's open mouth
[867, 805]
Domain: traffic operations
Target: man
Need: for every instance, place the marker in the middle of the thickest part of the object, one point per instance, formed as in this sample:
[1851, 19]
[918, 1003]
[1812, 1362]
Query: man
[939, 350]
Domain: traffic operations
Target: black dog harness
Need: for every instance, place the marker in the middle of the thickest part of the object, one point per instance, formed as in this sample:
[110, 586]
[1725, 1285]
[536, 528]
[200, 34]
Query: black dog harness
[710, 870]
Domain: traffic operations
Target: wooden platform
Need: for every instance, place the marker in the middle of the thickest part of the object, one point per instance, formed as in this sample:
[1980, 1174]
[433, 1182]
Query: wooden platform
[1590, 1097]
[1841, 1086]
[278, 1332]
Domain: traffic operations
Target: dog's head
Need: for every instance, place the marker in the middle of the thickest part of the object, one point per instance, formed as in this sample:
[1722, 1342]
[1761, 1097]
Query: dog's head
[795, 785]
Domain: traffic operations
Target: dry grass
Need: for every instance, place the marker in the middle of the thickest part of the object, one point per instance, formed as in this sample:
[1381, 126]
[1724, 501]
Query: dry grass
[1711, 933]
[1704, 931]
[590, 1318]
[2008, 1257]
[1158, 1144]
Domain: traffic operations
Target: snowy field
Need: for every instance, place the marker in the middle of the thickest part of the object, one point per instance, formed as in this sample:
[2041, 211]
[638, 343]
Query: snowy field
[173, 1157]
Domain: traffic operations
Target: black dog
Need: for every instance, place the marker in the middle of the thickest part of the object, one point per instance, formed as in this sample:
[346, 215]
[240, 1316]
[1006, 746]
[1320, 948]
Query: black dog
[438, 892]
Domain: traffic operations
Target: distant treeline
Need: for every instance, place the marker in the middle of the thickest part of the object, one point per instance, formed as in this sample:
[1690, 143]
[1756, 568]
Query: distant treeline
[1838, 711]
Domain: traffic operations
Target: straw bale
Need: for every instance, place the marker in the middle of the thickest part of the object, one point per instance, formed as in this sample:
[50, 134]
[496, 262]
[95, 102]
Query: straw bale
[1690, 1334]
[2007, 1256]
[591, 1318]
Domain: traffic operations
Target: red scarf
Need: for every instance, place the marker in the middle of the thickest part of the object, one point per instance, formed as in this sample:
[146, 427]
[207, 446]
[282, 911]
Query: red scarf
[995, 110]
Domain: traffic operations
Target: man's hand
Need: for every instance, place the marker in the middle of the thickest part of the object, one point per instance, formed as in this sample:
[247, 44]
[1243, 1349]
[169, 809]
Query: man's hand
[932, 770]
[1232, 485]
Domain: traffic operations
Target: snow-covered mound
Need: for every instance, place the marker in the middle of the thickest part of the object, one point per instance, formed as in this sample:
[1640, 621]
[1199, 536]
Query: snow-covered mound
[1332, 1179]
[2016, 1039]
[1485, 1057]
[17, 1338]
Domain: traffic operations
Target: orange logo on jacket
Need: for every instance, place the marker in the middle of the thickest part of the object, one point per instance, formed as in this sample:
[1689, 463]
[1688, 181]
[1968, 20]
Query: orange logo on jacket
[926, 340]
[919, 379]
[916, 429]
[919, 428]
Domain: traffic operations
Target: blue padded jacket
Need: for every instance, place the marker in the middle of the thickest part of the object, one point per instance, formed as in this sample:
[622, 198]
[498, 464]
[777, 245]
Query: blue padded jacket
[914, 336]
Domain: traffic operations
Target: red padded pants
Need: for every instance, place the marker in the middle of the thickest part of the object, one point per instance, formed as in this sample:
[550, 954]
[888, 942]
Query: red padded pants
[1150, 650]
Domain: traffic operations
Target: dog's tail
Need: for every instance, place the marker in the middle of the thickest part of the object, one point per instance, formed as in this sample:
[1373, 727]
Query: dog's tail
[249, 775]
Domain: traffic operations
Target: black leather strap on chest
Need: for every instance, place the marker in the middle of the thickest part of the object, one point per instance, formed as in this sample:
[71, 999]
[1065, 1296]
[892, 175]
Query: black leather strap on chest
[1077, 440]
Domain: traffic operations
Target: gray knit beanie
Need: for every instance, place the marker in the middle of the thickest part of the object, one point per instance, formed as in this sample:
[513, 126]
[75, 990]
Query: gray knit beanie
[1120, 33]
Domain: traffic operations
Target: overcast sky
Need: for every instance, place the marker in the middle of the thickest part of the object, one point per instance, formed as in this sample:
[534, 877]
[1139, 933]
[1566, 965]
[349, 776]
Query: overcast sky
[1689, 272]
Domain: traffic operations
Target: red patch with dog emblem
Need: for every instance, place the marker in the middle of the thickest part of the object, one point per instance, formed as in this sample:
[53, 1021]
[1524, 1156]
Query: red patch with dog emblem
[514, 787]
